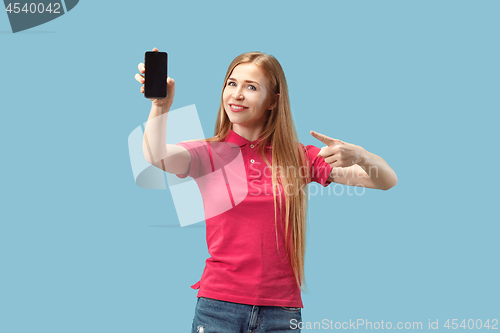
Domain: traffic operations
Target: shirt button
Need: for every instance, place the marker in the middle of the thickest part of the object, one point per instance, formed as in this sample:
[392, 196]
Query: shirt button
[251, 146]
[252, 160]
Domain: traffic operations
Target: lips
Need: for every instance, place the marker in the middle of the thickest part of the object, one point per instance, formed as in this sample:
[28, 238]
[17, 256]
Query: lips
[237, 108]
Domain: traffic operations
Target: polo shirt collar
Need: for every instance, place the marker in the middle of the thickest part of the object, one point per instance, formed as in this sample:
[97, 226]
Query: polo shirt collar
[241, 141]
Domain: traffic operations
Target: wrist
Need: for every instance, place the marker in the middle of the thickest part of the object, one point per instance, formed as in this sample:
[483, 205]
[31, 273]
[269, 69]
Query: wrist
[363, 157]
[159, 109]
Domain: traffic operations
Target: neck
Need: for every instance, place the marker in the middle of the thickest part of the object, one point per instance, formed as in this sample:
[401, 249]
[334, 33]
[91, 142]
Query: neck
[249, 133]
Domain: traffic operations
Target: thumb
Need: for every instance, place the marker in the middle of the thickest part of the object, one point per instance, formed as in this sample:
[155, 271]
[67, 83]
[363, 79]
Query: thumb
[170, 87]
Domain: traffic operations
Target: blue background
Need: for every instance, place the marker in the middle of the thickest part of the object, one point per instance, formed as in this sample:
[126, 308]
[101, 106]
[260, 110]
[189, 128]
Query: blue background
[84, 249]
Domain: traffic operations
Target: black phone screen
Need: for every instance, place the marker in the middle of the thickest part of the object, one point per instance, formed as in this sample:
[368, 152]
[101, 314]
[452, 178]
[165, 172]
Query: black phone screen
[155, 75]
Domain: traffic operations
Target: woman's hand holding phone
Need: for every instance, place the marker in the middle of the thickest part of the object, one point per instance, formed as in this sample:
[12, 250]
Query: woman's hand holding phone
[166, 102]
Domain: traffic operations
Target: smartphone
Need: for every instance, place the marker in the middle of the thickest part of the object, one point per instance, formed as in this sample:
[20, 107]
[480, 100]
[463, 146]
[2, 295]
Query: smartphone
[155, 75]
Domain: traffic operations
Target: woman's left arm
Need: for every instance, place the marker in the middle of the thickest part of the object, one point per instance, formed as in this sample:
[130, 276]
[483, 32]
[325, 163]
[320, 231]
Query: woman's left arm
[352, 163]
[378, 170]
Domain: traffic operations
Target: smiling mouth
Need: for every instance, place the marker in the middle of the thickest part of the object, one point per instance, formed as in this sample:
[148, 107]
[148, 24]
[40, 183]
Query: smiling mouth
[236, 108]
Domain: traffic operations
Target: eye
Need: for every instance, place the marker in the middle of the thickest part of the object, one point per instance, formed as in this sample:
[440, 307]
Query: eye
[252, 87]
[230, 83]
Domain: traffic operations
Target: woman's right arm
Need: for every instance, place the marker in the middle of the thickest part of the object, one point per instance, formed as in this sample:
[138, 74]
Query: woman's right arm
[168, 157]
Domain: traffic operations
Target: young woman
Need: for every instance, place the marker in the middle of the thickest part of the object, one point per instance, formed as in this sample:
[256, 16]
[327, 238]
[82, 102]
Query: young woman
[253, 280]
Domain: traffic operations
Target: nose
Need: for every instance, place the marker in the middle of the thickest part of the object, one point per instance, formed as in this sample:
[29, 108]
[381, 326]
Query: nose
[238, 94]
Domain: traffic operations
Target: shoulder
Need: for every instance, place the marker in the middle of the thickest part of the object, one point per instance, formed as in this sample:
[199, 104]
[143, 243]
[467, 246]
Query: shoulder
[310, 150]
[193, 143]
[194, 140]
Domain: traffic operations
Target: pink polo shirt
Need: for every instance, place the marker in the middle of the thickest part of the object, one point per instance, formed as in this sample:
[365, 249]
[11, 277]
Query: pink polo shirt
[245, 265]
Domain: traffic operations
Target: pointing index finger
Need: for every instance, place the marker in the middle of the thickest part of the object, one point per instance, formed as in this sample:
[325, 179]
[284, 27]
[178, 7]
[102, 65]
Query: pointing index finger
[323, 138]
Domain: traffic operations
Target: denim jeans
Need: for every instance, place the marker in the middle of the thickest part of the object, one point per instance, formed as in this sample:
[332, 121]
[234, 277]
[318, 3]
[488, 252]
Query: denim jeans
[214, 316]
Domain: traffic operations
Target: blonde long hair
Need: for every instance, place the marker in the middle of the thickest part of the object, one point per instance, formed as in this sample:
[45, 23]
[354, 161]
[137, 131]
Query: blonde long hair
[287, 153]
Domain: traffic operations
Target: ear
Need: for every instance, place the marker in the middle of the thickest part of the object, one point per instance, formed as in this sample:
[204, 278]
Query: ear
[274, 102]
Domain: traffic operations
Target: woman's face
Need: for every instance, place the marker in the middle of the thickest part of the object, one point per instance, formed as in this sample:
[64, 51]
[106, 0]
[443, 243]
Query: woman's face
[246, 98]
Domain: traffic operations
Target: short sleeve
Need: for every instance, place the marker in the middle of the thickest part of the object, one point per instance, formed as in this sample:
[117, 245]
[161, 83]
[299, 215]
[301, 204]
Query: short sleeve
[200, 158]
[320, 170]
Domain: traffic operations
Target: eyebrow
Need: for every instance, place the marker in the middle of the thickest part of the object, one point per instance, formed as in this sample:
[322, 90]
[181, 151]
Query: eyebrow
[250, 81]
